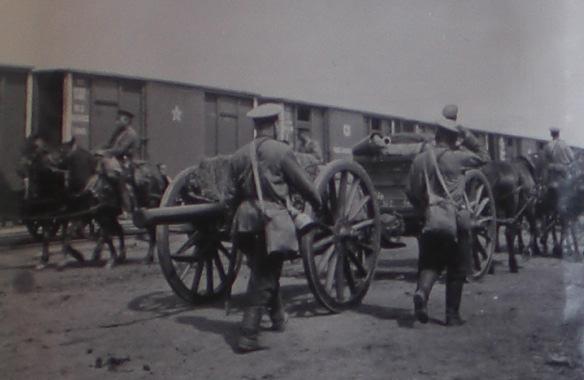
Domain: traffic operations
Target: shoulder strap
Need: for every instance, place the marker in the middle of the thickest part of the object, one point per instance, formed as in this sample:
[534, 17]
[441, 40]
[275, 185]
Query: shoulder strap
[256, 174]
[439, 173]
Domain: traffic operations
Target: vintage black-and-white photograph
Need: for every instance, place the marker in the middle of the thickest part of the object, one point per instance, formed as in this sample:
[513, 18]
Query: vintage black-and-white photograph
[278, 189]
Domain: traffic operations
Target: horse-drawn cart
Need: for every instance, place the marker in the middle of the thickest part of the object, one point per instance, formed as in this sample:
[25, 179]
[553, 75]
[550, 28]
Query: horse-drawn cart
[339, 254]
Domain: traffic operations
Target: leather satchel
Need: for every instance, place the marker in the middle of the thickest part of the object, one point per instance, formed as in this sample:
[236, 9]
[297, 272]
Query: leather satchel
[280, 231]
[441, 213]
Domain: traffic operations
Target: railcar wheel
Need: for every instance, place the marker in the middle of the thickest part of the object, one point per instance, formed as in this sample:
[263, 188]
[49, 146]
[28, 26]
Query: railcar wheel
[197, 259]
[480, 202]
[340, 254]
[39, 229]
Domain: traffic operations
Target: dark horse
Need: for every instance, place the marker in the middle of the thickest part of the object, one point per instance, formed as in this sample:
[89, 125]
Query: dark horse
[560, 202]
[89, 193]
[515, 192]
[57, 189]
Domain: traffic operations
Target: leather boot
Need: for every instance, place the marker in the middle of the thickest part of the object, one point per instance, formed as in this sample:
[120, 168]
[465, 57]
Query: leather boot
[249, 331]
[453, 298]
[278, 315]
[426, 281]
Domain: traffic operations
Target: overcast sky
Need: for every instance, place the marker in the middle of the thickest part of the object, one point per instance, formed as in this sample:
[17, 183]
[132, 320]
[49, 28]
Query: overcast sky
[513, 66]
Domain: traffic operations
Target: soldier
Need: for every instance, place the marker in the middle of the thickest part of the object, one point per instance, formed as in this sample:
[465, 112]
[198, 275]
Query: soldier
[307, 145]
[125, 142]
[119, 153]
[558, 154]
[467, 140]
[277, 171]
[439, 252]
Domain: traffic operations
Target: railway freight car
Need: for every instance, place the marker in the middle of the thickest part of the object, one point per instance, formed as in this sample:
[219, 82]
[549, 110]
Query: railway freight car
[178, 123]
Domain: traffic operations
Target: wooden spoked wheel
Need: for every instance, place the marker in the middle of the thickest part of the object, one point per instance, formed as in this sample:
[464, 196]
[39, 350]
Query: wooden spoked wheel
[197, 259]
[340, 254]
[480, 203]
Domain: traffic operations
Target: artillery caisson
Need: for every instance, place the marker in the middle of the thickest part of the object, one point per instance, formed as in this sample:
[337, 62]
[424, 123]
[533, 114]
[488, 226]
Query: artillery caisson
[339, 254]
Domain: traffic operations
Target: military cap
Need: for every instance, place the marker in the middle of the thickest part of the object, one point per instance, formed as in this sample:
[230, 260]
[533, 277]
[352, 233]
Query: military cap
[554, 130]
[450, 111]
[122, 112]
[265, 111]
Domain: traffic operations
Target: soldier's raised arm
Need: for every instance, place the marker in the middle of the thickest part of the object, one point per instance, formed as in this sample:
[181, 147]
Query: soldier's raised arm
[472, 143]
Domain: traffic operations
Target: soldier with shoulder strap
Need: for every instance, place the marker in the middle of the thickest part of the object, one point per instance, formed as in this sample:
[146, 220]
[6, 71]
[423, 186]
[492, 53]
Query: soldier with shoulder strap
[262, 174]
[118, 157]
[437, 175]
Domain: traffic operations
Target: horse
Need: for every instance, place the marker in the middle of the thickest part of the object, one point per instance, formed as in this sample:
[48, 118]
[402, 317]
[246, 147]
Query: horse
[41, 166]
[88, 192]
[514, 189]
[146, 184]
[560, 202]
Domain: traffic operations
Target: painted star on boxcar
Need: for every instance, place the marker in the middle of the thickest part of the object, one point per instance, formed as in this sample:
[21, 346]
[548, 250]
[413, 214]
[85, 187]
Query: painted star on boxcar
[176, 114]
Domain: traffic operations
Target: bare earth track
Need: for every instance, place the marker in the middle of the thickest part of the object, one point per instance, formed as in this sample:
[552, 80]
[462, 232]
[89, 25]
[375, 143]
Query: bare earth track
[92, 323]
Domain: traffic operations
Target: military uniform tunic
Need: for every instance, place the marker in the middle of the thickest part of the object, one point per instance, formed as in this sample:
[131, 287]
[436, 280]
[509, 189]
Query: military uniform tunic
[278, 171]
[452, 164]
[437, 253]
[558, 152]
[125, 142]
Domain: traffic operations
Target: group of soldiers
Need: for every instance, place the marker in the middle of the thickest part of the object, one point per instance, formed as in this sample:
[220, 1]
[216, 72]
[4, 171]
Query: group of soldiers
[265, 171]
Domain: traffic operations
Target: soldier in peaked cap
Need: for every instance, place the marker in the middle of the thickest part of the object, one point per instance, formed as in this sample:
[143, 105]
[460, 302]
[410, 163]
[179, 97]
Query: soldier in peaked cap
[119, 154]
[558, 156]
[438, 252]
[271, 165]
[125, 141]
[557, 151]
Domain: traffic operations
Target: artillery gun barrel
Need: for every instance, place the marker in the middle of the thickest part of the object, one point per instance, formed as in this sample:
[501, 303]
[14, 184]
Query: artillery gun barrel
[177, 214]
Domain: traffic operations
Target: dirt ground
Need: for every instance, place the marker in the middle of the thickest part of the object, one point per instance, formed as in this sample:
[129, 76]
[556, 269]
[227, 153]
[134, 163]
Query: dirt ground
[92, 323]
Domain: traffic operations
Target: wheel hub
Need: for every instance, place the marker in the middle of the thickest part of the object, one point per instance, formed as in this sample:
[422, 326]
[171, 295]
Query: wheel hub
[344, 230]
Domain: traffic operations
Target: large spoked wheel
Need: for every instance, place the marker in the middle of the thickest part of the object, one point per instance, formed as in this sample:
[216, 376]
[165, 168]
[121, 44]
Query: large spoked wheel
[481, 205]
[340, 254]
[197, 259]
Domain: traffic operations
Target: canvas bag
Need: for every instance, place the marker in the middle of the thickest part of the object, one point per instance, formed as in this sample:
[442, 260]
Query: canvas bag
[279, 228]
[441, 213]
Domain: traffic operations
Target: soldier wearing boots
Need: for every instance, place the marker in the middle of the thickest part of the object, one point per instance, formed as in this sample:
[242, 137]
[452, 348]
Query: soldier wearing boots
[437, 253]
[277, 171]
[119, 153]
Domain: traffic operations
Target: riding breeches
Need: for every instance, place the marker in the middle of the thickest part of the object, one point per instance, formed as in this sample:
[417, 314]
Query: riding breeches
[265, 270]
